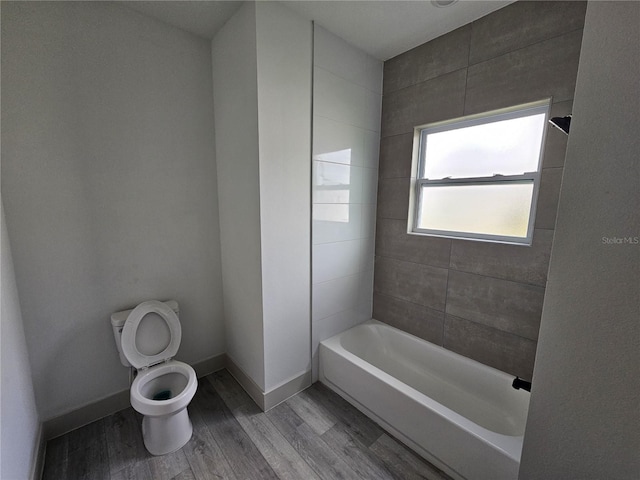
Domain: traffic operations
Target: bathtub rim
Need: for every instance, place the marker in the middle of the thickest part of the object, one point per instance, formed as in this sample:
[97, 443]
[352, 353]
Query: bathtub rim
[397, 434]
[508, 445]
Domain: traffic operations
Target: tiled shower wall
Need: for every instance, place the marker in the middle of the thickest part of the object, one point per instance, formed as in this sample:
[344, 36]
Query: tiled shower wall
[482, 300]
[347, 95]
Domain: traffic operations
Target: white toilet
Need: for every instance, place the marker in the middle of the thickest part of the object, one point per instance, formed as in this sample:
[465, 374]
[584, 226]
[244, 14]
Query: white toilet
[147, 338]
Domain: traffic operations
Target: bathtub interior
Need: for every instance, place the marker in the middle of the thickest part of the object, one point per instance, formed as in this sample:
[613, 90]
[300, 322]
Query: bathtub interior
[477, 392]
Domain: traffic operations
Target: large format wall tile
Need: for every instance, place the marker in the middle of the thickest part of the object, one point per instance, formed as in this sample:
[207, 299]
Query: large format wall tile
[417, 320]
[336, 259]
[421, 284]
[335, 296]
[523, 24]
[543, 70]
[440, 99]
[393, 198]
[346, 141]
[392, 240]
[501, 350]
[396, 155]
[327, 327]
[344, 101]
[512, 262]
[437, 99]
[508, 306]
[442, 55]
[524, 52]
[336, 183]
[337, 142]
[398, 110]
[336, 222]
[350, 63]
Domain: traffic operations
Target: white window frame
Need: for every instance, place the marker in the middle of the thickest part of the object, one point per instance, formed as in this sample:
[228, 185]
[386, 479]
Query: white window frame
[417, 183]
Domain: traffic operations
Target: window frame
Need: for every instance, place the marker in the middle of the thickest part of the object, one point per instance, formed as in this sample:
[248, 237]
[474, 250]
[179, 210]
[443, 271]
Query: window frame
[417, 183]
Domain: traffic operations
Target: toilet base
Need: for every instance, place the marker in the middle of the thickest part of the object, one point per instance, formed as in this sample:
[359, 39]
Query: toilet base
[166, 433]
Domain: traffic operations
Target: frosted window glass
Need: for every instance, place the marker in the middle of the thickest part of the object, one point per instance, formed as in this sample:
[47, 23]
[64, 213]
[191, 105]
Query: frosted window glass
[492, 209]
[506, 147]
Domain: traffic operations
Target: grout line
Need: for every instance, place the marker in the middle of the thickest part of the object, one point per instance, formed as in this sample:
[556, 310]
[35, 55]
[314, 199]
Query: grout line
[446, 291]
[351, 125]
[445, 314]
[348, 124]
[421, 82]
[364, 87]
[345, 164]
[463, 271]
[414, 263]
[382, 294]
[493, 328]
[466, 78]
[527, 46]
[359, 272]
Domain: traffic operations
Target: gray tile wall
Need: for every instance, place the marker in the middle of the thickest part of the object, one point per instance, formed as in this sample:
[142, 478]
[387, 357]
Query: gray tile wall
[482, 300]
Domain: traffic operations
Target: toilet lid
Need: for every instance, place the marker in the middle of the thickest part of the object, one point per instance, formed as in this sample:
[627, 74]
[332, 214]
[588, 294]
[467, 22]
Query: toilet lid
[151, 334]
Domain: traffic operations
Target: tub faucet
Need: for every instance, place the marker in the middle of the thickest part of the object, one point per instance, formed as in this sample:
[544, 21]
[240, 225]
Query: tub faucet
[518, 384]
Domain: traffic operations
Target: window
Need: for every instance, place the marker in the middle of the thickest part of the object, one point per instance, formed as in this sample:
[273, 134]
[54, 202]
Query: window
[477, 177]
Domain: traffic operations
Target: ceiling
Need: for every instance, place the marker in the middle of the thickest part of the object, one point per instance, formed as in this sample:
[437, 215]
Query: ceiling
[383, 29]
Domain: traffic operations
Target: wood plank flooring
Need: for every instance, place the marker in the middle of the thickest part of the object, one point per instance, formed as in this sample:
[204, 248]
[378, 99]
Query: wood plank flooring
[315, 435]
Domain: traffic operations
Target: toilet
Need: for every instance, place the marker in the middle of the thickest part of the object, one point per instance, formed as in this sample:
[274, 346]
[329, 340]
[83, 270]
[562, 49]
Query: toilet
[147, 338]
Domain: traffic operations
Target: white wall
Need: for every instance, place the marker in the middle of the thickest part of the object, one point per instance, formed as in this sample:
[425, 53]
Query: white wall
[262, 104]
[19, 423]
[585, 411]
[109, 187]
[284, 113]
[347, 96]
[236, 130]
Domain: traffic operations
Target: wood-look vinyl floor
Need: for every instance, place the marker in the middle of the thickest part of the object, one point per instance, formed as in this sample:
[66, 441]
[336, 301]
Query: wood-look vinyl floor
[313, 435]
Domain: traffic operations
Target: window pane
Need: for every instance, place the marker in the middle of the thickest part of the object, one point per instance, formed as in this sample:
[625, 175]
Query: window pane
[506, 147]
[492, 209]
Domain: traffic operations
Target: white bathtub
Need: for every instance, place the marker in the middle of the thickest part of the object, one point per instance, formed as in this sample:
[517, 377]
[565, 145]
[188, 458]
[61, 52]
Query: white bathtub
[462, 416]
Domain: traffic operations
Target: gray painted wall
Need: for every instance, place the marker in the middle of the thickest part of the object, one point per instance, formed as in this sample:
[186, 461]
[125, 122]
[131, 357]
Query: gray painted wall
[19, 422]
[482, 300]
[109, 187]
[585, 408]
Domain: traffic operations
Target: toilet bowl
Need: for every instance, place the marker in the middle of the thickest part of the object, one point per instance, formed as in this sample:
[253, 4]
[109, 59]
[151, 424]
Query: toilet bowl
[148, 337]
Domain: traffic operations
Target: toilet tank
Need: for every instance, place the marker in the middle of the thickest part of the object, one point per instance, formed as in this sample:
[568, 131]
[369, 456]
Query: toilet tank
[117, 324]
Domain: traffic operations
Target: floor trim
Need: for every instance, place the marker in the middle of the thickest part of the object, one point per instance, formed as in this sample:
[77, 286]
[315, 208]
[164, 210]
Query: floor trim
[54, 427]
[287, 390]
[245, 381]
[266, 401]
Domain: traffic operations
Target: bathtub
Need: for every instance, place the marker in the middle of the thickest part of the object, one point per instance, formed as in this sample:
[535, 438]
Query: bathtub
[460, 415]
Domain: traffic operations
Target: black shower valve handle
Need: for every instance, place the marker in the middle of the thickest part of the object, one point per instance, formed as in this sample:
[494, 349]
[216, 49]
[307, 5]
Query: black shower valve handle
[518, 384]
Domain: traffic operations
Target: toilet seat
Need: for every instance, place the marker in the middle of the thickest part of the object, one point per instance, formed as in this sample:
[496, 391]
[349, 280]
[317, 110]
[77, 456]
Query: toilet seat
[129, 348]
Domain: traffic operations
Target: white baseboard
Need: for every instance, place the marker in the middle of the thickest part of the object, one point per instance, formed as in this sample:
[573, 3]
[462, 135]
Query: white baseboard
[245, 381]
[267, 400]
[86, 414]
[287, 389]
